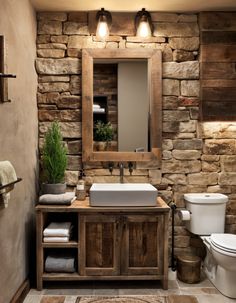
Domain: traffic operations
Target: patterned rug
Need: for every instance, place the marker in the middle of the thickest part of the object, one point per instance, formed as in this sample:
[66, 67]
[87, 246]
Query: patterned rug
[124, 299]
[139, 299]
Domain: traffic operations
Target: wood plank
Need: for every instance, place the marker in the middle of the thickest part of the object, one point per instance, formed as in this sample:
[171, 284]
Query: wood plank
[218, 37]
[218, 94]
[39, 249]
[70, 244]
[82, 248]
[83, 207]
[218, 53]
[164, 252]
[224, 21]
[122, 23]
[217, 70]
[218, 83]
[155, 96]
[224, 111]
[87, 103]
[76, 277]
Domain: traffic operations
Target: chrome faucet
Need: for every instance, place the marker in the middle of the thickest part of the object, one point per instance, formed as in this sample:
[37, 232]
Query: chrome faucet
[121, 166]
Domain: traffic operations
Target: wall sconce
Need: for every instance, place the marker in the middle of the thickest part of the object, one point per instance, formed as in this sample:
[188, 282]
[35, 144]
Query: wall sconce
[104, 20]
[143, 24]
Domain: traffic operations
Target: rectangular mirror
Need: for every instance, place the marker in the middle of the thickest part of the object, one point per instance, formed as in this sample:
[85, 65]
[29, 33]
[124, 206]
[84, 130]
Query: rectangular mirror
[122, 96]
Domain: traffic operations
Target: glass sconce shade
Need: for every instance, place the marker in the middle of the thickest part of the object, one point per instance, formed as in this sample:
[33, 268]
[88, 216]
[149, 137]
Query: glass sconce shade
[143, 24]
[104, 20]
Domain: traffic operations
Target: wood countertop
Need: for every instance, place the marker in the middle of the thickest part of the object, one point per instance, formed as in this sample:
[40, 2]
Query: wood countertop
[84, 207]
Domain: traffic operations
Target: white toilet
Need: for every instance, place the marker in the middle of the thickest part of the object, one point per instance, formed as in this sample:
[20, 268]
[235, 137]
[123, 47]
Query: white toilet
[207, 219]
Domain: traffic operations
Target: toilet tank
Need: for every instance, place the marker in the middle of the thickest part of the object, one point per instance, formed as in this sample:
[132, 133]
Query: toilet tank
[207, 212]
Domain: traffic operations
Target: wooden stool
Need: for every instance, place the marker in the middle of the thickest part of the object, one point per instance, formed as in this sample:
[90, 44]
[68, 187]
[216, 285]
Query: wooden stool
[189, 268]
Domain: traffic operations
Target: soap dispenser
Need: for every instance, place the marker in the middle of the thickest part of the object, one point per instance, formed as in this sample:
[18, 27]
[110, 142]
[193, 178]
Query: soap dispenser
[80, 188]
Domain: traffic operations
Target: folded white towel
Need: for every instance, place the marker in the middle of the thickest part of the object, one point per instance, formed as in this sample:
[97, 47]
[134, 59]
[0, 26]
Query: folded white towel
[58, 229]
[99, 110]
[56, 239]
[96, 106]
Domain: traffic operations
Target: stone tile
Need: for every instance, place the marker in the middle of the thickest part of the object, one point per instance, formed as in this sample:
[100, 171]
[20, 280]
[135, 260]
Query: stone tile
[70, 299]
[106, 292]
[53, 299]
[162, 292]
[34, 292]
[214, 299]
[33, 299]
[199, 291]
[70, 291]
[181, 299]
[138, 291]
[203, 283]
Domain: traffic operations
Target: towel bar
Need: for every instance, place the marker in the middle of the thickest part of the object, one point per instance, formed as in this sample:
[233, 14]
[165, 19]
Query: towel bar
[7, 75]
[8, 187]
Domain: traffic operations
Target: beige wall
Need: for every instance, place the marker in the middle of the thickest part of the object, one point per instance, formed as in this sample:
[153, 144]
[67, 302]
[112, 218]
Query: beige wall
[18, 143]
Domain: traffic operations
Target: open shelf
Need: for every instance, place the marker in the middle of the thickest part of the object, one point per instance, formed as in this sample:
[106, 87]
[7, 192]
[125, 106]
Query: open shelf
[61, 276]
[73, 244]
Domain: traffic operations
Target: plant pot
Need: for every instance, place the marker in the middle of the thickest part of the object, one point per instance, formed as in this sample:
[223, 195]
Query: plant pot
[54, 189]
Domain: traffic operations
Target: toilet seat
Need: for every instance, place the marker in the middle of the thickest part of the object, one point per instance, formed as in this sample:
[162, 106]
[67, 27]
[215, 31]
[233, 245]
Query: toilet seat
[225, 243]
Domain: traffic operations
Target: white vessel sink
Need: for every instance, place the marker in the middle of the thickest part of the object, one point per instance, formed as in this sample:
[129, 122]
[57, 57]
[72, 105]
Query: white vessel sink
[123, 194]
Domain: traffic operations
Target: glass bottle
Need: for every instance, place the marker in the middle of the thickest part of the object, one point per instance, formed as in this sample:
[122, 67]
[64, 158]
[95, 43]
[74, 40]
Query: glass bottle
[80, 188]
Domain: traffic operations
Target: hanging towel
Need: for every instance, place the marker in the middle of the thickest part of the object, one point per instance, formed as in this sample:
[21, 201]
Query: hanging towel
[64, 199]
[56, 239]
[7, 175]
[58, 229]
[60, 263]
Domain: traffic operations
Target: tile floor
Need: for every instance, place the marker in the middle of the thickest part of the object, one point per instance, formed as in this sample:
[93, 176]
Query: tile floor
[204, 291]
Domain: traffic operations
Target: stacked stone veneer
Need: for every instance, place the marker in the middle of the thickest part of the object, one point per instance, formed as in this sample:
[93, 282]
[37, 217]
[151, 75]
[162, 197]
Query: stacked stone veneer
[197, 157]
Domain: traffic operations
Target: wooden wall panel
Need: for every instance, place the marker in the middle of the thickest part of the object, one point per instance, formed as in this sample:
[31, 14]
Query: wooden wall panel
[218, 21]
[218, 70]
[218, 66]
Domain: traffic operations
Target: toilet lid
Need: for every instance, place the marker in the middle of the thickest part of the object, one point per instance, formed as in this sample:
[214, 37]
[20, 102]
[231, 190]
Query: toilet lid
[226, 242]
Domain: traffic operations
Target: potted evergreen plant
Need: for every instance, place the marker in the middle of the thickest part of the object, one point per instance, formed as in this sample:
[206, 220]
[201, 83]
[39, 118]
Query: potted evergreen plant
[54, 161]
[103, 134]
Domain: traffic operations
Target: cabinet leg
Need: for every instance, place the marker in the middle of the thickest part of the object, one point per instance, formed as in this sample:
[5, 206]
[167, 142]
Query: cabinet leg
[39, 284]
[164, 283]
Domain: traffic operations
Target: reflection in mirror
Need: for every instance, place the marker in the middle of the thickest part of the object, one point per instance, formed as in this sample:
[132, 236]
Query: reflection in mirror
[121, 105]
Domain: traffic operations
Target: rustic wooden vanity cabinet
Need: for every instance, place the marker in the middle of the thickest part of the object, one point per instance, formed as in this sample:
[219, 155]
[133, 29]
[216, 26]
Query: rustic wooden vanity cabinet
[110, 243]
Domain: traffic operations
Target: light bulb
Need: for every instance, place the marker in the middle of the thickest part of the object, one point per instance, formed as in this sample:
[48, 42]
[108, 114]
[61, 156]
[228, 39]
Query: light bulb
[144, 29]
[102, 30]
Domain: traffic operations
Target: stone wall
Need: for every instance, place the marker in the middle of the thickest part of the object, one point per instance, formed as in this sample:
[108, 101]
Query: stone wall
[196, 157]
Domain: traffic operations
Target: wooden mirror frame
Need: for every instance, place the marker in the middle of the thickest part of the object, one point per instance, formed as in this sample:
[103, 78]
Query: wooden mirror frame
[155, 100]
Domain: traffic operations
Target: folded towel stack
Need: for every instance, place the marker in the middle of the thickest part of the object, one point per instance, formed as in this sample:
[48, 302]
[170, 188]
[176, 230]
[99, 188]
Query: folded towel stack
[57, 232]
[60, 263]
[64, 199]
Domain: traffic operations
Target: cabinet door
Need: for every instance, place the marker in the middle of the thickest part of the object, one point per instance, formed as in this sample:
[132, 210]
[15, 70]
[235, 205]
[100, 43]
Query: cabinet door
[99, 245]
[142, 245]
